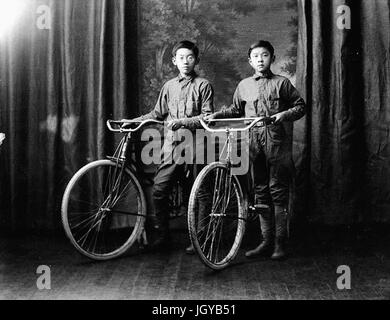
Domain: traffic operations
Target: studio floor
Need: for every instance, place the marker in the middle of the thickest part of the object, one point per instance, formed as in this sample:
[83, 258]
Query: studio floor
[309, 273]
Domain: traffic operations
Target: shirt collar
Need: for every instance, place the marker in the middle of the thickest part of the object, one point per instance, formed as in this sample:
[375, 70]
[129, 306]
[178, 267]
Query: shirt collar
[190, 77]
[268, 75]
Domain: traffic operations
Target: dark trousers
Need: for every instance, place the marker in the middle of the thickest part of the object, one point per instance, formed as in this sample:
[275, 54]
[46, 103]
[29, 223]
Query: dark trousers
[272, 169]
[167, 174]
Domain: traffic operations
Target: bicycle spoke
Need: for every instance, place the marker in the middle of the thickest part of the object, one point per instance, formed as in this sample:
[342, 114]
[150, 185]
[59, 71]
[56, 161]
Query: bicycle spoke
[86, 202]
[201, 222]
[216, 217]
[214, 228]
[217, 191]
[91, 217]
[210, 233]
[219, 241]
[124, 191]
[86, 234]
[214, 234]
[124, 213]
[95, 238]
[103, 209]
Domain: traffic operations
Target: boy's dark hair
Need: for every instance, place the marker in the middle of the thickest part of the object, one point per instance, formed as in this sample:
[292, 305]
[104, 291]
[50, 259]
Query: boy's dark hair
[187, 45]
[261, 44]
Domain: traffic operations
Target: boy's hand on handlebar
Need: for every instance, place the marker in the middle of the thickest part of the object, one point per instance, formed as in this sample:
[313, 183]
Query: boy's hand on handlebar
[215, 115]
[209, 117]
[175, 124]
[279, 117]
[127, 124]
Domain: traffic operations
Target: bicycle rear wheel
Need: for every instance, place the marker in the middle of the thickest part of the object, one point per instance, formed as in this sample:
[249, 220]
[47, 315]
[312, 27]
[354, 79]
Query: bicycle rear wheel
[103, 210]
[216, 216]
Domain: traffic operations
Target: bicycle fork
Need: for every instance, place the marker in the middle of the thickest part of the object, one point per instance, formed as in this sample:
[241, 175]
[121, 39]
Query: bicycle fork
[223, 183]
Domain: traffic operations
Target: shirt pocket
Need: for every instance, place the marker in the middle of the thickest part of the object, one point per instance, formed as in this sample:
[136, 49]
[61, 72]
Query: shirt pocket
[252, 108]
[274, 103]
[192, 109]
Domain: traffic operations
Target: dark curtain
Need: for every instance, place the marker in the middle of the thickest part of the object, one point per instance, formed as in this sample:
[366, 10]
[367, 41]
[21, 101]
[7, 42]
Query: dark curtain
[58, 87]
[342, 146]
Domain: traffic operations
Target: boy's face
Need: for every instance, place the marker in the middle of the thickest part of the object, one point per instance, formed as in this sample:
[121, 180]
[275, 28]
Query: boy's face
[261, 60]
[185, 61]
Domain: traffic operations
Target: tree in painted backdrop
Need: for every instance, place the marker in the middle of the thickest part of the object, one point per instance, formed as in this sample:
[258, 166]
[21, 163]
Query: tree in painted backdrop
[208, 23]
[290, 66]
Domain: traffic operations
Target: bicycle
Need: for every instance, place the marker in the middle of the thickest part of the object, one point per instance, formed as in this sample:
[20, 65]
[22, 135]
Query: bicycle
[219, 205]
[104, 205]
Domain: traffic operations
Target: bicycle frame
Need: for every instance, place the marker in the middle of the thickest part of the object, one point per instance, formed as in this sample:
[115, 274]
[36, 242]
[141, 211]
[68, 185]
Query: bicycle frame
[122, 149]
[103, 208]
[259, 122]
[218, 206]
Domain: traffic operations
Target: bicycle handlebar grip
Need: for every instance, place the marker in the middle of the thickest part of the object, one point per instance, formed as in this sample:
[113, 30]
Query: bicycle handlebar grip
[108, 123]
[127, 123]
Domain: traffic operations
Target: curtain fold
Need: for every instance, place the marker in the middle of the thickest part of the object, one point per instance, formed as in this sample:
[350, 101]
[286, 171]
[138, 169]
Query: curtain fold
[341, 147]
[58, 87]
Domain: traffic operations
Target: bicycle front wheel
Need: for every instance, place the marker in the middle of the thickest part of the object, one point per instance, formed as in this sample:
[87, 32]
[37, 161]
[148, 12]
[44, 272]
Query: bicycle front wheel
[216, 216]
[103, 210]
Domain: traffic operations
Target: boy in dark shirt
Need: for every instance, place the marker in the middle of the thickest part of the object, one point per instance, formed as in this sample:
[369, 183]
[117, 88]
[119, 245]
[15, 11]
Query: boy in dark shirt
[182, 102]
[268, 95]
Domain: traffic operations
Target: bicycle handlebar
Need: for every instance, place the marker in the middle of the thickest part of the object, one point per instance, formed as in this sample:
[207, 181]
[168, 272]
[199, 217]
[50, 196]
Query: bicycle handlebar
[122, 123]
[259, 121]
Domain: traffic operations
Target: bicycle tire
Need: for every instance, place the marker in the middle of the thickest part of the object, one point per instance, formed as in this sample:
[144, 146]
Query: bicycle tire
[201, 215]
[103, 212]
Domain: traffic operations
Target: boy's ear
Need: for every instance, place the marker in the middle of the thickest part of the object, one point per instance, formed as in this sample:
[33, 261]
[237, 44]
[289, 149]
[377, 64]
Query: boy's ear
[174, 60]
[273, 59]
[197, 61]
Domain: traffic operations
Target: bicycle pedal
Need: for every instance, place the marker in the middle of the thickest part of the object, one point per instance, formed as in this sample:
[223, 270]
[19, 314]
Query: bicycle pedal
[252, 209]
[258, 209]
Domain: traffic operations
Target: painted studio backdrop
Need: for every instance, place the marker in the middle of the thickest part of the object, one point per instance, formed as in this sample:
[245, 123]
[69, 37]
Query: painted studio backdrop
[68, 66]
[223, 30]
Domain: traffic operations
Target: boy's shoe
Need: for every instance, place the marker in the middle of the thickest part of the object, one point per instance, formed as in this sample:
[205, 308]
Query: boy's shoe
[161, 238]
[279, 252]
[265, 247]
[281, 233]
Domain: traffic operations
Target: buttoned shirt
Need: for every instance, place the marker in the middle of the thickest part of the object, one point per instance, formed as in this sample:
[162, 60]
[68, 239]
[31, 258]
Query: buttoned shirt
[264, 96]
[184, 97]
[189, 97]
[259, 96]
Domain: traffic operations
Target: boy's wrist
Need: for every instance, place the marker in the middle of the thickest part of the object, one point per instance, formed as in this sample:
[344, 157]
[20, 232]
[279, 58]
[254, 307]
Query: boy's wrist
[219, 114]
[138, 118]
[286, 116]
